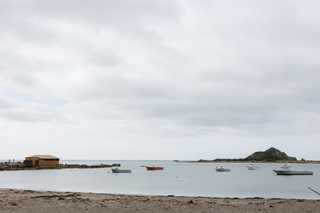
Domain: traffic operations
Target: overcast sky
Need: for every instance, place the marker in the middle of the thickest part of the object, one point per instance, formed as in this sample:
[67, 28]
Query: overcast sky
[159, 79]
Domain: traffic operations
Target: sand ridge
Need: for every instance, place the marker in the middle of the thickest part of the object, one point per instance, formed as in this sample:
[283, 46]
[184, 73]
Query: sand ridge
[26, 201]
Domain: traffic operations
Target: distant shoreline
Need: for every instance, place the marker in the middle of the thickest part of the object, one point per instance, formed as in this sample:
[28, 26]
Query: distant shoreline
[249, 162]
[271, 155]
[19, 167]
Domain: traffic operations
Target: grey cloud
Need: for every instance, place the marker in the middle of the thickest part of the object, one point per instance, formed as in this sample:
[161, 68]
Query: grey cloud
[111, 11]
[126, 16]
[117, 87]
[30, 112]
[16, 69]
[101, 57]
[174, 68]
[4, 104]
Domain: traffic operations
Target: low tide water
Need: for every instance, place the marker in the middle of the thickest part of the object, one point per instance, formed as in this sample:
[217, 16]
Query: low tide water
[179, 179]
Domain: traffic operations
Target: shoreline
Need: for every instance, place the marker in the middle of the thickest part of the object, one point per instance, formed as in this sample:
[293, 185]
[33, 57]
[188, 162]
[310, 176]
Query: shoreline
[18, 167]
[23, 201]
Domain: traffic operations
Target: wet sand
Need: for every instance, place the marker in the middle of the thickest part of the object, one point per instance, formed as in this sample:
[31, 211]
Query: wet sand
[29, 201]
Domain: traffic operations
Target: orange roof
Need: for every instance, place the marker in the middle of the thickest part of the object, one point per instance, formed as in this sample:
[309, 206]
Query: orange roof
[44, 157]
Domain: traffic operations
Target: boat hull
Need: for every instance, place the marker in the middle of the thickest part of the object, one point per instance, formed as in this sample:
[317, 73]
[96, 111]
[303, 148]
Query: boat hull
[253, 168]
[150, 168]
[280, 172]
[223, 170]
[121, 170]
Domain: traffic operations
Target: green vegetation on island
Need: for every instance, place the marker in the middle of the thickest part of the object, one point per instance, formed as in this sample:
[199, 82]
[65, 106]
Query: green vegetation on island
[270, 155]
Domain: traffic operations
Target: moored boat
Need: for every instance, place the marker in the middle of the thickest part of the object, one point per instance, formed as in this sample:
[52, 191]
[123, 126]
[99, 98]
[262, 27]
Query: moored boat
[222, 169]
[287, 170]
[154, 167]
[117, 170]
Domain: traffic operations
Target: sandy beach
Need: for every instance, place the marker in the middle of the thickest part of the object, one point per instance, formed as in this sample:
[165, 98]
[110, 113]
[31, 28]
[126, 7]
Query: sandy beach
[47, 201]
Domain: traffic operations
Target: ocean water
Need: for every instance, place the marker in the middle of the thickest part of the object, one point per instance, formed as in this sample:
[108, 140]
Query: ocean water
[179, 179]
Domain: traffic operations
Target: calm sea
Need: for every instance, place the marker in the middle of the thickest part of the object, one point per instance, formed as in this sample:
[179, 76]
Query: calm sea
[180, 179]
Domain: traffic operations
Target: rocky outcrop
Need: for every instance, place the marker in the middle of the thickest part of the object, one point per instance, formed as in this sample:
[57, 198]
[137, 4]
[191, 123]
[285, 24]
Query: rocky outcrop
[270, 155]
[60, 166]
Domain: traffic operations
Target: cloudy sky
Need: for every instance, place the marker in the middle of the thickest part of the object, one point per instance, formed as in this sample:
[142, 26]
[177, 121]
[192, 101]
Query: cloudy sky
[160, 79]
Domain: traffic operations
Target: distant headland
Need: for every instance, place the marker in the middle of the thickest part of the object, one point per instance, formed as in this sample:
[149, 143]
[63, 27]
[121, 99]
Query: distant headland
[271, 155]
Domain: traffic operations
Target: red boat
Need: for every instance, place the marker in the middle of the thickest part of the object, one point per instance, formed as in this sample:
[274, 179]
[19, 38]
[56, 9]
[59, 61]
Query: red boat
[154, 167]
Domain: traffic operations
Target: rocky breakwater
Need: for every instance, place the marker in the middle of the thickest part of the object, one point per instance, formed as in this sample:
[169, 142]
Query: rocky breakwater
[60, 166]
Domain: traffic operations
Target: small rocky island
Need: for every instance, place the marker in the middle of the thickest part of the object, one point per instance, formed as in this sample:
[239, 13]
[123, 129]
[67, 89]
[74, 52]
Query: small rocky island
[270, 155]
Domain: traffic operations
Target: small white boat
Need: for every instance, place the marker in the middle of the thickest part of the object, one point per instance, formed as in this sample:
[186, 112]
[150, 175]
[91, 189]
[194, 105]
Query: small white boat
[252, 167]
[117, 170]
[222, 169]
[287, 170]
